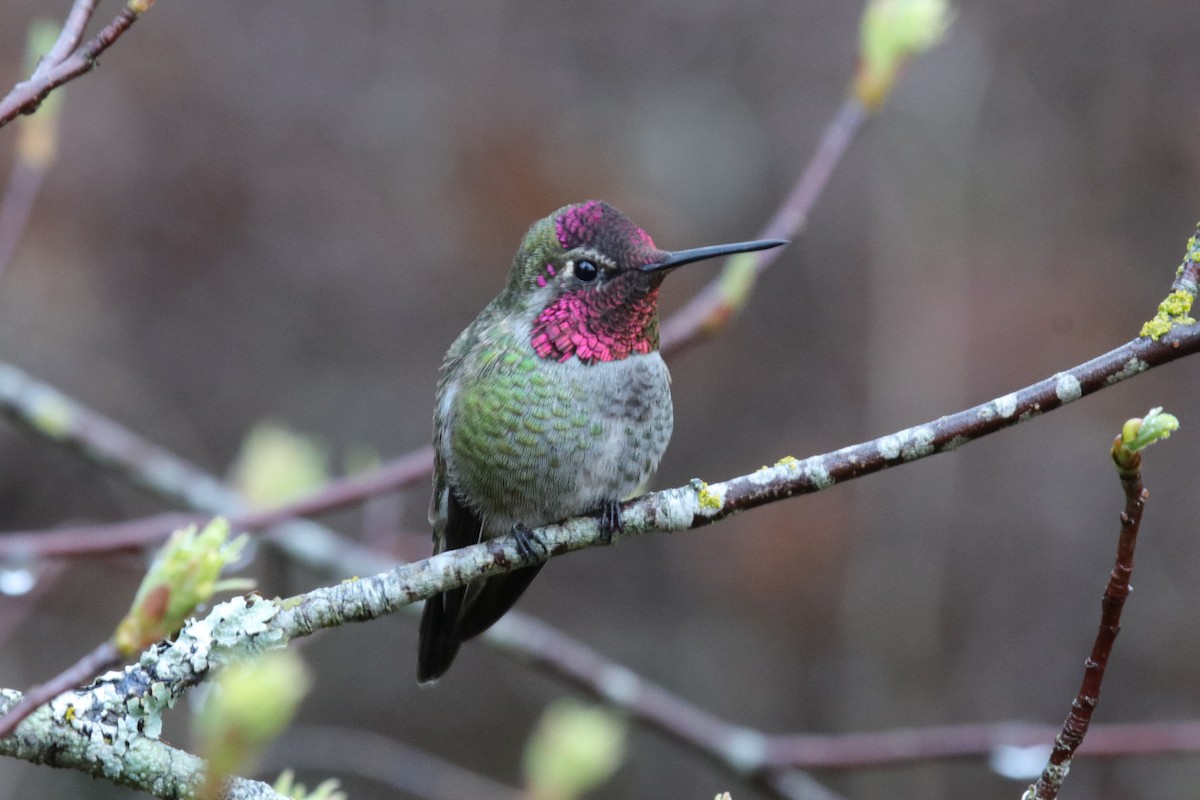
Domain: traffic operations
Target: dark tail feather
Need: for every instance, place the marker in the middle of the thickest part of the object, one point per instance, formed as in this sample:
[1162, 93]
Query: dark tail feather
[448, 621]
[460, 614]
[492, 600]
[437, 646]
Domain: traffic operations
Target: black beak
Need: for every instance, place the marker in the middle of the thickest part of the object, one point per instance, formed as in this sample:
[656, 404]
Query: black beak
[680, 257]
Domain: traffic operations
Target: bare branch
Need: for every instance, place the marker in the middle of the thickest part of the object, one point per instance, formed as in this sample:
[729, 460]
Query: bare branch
[713, 305]
[1128, 460]
[26, 96]
[69, 38]
[913, 746]
[86, 540]
[104, 656]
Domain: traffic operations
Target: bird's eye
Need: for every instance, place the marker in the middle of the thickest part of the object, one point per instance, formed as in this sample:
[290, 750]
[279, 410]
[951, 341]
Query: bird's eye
[586, 270]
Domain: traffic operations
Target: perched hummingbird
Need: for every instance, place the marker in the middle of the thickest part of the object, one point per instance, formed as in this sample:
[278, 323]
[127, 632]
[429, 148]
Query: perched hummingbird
[554, 402]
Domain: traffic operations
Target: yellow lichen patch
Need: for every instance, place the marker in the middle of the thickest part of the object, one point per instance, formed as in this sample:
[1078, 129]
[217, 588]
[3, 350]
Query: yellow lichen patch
[1171, 312]
[69, 717]
[790, 462]
[708, 498]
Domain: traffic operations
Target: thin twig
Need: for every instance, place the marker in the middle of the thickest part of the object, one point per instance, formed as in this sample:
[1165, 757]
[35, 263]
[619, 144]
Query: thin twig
[101, 658]
[713, 305]
[1075, 727]
[77, 541]
[26, 96]
[69, 38]
[88, 540]
[918, 746]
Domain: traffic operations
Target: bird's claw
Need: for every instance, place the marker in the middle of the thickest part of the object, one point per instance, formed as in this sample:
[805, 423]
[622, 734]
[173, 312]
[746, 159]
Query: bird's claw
[610, 520]
[528, 543]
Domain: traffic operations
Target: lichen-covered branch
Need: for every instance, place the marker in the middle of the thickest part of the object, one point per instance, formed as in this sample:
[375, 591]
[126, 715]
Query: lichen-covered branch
[82, 737]
[131, 703]
[101, 657]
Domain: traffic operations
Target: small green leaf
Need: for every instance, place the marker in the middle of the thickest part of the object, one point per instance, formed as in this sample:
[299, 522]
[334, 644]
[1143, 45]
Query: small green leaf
[182, 576]
[251, 704]
[276, 466]
[892, 31]
[574, 749]
[1138, 434]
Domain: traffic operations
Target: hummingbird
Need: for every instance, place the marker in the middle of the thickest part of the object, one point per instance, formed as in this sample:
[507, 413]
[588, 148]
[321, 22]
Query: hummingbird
[554, 402]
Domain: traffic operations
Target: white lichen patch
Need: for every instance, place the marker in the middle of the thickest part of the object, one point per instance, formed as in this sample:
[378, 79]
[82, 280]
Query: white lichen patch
[889, 446]
[238, 625]
[816, 472]
[1067, 387]
[1132, 367]
[763, 475]
[850, 453]
[908, 444]
[676, 509]
[1006, 406]
[920, 442]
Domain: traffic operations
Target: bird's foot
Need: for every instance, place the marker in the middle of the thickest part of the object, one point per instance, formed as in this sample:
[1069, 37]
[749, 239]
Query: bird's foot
[529, 545]
[610, 520]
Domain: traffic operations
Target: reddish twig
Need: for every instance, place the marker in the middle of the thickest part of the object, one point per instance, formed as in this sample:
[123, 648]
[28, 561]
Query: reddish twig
[916, 746]
[87, 540]
[25, 97]
[79, 673]
[395, 474]
[70, 37]
[713, 305]
[1084, 706]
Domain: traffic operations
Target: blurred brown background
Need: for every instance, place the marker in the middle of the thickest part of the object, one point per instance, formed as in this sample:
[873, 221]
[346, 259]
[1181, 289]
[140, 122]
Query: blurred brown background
[287, 211]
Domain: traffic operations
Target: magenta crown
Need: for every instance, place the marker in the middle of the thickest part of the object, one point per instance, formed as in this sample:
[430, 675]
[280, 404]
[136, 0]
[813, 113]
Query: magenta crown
[598, 225]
